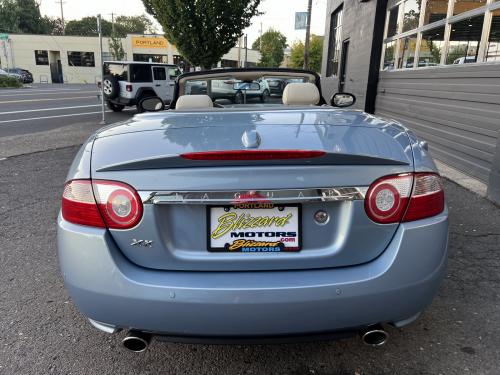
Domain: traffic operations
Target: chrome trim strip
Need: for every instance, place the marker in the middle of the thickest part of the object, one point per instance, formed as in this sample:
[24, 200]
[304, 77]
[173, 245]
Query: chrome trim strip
[334, 194]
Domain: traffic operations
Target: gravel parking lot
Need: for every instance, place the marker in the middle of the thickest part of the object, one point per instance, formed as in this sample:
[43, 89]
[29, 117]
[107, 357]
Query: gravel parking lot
[42, 332]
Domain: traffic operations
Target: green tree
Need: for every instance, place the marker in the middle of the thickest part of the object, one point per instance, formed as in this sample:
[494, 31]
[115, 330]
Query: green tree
[133, 25]
[271, 46]
[9, 16]
[52, 26]
[116, 47]
[87, 26]
[203, 30]
[124, 25]
[22, 16]
[30, 19]
[315, 53]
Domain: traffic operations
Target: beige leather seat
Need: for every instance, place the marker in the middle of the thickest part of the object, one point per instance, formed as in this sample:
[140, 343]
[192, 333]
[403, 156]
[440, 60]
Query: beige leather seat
[301, 94]
[194, 102]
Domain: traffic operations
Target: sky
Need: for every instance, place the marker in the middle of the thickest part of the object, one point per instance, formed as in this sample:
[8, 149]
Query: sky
[278, 14]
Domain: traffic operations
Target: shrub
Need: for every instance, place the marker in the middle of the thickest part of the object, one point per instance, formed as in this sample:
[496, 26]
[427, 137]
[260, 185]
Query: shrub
[6, 81]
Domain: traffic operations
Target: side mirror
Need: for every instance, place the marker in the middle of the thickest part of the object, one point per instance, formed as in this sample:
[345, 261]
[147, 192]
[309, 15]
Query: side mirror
[152, 104]
[342, 99]
[246, 86]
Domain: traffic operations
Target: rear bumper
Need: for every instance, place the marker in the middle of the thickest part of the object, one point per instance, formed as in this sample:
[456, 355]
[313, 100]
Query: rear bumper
[396, 286]
[128, 102]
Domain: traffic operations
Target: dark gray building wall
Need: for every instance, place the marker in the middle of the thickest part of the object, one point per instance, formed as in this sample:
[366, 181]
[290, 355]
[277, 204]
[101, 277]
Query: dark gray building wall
[358, 27]
[456, 109]
[494, 182]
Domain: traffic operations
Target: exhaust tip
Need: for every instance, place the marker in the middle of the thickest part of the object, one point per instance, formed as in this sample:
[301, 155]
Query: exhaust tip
[374, 336]
[136, 341]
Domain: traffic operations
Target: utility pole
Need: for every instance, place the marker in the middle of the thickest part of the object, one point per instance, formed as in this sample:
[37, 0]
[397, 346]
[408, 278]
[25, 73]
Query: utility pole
[308, 34]
[61, 2]
[113, 23]
[99, 28]
[239, 52]
[260, 39]
[246, 51]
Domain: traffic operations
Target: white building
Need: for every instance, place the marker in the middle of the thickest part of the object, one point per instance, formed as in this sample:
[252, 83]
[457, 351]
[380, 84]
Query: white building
[76, 59]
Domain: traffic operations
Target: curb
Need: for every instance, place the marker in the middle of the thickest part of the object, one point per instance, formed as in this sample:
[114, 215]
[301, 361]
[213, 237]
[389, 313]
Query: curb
[460, 178]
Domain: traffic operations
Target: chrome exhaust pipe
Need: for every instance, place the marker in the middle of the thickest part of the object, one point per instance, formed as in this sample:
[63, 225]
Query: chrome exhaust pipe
[136, 341]
[374, 335]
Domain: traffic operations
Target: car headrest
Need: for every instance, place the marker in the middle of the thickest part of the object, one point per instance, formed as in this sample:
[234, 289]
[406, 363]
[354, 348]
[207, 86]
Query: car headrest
[194, 102]
[301, 94]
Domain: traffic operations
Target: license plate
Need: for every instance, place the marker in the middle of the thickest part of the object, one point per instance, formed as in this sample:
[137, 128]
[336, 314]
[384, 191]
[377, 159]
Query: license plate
[254, 228]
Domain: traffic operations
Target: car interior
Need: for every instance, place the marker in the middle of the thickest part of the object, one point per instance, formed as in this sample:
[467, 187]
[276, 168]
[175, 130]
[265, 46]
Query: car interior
[302, 94]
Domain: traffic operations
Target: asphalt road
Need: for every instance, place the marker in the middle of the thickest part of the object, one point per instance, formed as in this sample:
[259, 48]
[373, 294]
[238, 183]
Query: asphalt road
[41, 331]
[46, 116]
[47, 107]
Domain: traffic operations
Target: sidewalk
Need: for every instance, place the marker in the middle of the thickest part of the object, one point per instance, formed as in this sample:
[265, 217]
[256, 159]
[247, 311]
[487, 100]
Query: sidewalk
[460, 178]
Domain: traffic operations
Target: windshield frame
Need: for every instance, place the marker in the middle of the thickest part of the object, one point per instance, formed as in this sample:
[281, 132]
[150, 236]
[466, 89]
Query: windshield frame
[225, 72]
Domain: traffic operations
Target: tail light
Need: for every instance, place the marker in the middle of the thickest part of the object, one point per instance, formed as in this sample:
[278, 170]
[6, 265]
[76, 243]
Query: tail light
[405, 197]
[102, 204]
[78, 204]
[427, 198]
[128, 88]
[253, 155]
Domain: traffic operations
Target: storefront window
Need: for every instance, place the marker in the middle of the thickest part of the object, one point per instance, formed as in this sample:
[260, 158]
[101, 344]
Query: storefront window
[435, 10]
[392, 27]
[493, 53]
[85, 59]
[335, 39]
[185, 66]
[389, 56]
[407, 47]
[151, 58]
[464, 41]
[41, 57]
[431, 47]
[411, 14]
[462, 6]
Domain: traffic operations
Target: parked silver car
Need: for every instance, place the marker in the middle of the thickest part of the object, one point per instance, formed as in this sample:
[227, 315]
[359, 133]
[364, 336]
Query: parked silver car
[252, 222]
[12, 75]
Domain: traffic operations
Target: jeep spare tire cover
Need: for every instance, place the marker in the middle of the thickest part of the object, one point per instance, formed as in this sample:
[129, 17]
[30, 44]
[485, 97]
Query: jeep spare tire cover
[110, 87]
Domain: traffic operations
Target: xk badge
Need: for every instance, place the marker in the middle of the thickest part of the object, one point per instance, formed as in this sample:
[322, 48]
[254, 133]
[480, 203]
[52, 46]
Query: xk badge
[142, 243]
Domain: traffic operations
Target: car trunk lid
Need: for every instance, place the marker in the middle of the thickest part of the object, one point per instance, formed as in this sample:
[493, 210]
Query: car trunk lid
[179, 191]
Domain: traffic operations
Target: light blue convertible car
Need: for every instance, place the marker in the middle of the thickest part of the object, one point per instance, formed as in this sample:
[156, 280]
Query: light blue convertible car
[293, 219]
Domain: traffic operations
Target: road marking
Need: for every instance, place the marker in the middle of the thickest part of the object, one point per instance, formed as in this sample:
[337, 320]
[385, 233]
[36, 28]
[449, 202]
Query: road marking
[52, 92]
[40, 89]
[45, 100]
[47, 117]
[50, 109]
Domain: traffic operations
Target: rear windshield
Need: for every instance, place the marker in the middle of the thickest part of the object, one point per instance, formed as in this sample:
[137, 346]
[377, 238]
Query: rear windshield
[119, 71]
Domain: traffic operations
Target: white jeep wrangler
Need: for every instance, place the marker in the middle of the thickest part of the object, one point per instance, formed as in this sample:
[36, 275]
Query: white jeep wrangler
[127, 83]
